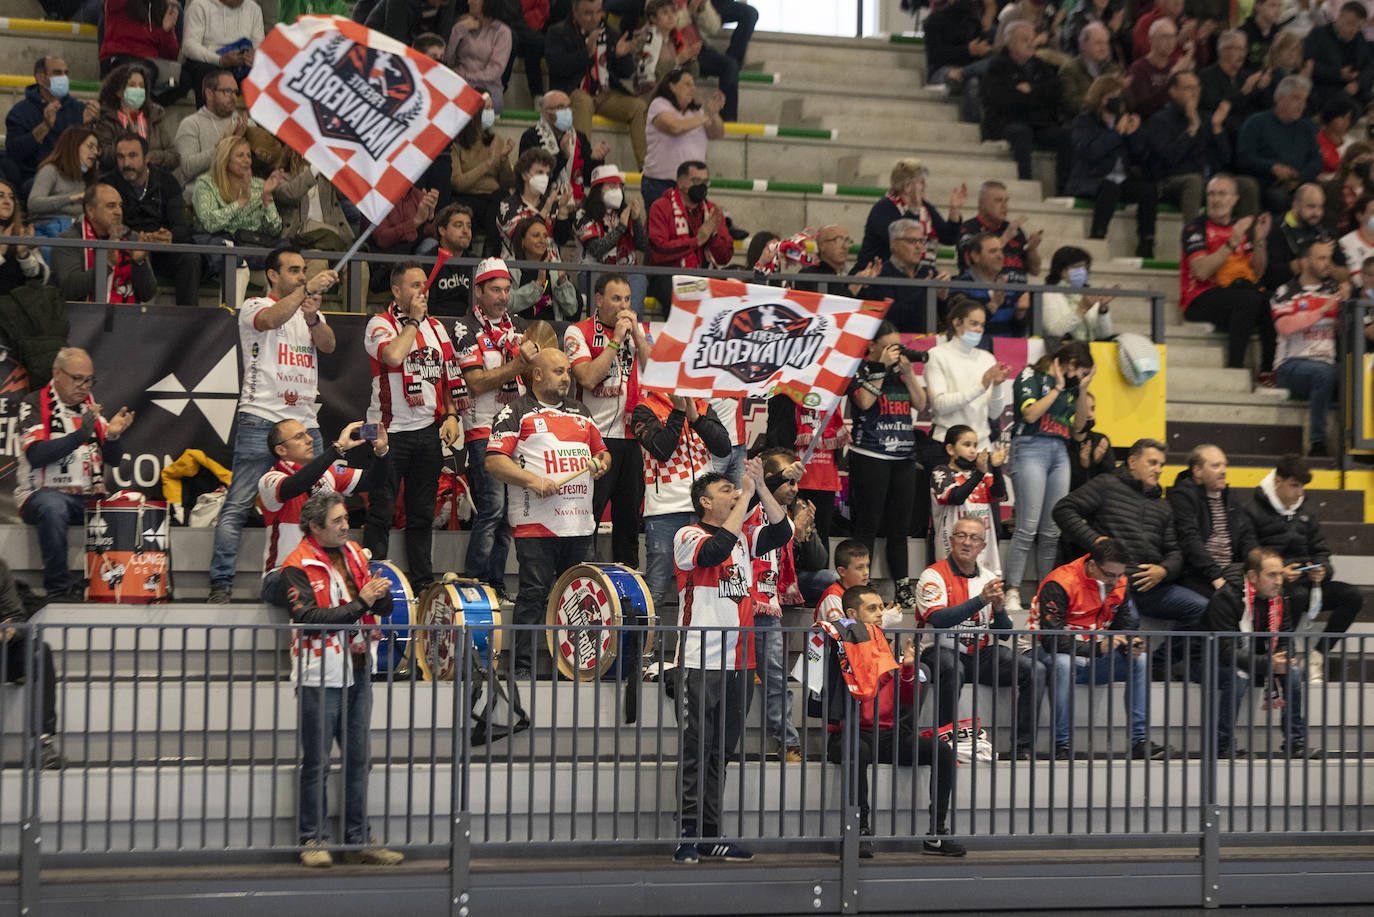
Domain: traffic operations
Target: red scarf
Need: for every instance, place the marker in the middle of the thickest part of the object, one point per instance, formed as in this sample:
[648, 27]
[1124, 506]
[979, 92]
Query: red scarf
[121, 285]
[595, 78]
[413, 373]
[698, 255]
[138, 123]
[1275, 614]
[597, 334]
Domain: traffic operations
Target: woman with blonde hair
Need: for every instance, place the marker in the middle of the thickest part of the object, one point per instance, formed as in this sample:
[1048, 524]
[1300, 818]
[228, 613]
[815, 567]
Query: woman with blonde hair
[230, 201]
[905, 200]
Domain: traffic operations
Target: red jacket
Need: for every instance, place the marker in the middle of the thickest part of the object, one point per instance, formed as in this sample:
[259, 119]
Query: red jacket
[1070, 599]
[670, 247]
[141, 39]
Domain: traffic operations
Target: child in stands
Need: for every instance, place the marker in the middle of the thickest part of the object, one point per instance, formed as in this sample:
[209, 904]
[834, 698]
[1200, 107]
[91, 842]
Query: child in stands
[970, 485]
[851, 563]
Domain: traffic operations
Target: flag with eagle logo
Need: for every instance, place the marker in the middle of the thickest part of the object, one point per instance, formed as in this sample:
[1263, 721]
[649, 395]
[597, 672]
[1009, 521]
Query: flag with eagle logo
[726, 338]
[370, 113]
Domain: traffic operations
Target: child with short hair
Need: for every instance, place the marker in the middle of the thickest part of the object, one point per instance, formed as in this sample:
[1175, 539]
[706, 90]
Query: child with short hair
[852, 564]
[970, 485]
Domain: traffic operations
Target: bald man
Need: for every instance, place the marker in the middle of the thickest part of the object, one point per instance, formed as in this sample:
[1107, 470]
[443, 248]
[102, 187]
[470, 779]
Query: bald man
[573, 154]
[546, 449]
[1299, 226]
[65, 447]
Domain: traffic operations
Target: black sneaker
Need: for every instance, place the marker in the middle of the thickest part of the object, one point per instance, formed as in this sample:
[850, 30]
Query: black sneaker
[905, 595]
[724, 850]
[1232, 753]
[1147, 750]
[219, 595]
[1025, 753]
[502, 595]
[866, 843]
[1300, 750]
[942, 847]
[71, 595]
[1063, 753]
[1317, 450]
[686, 854]
[50, 759]
[522, 675]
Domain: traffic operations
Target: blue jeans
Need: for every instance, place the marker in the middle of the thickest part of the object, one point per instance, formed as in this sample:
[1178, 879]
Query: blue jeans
[1316, 381]
[51, 511]
[1171, 602]
[771, 651]
[745, 17]
[1109, 667]
[330, 715]
[1233, 687]
[489, 541]
[731, 465]
[252, 459]
[639, 288]
[651, 189]
[658, 555]
[1256, 669]
[813, 582]
[1039, 469]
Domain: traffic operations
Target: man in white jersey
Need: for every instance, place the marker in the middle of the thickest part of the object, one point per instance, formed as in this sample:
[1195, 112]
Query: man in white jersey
[281, 336]
[492, 352]
[714, 559]
[417, 390]
[538, 442]
[606, 351]
[298, 474]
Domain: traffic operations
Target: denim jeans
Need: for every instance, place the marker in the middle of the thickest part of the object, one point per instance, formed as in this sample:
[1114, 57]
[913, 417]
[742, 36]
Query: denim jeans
[51, 511]
[1109, 667]
[489, 540]
[658, 556]
[1233, 687]
[542, 559]
[731, 464]
[329, 715]
[1175, 603]
[252, 459]
[1039, 469]
[1259, 670]
[745, 17]
[770, 648]
[813, 582]
[1316, 381]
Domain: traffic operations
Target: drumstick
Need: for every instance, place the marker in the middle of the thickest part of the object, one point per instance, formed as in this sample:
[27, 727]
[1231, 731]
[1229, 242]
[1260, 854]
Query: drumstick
[592, 465]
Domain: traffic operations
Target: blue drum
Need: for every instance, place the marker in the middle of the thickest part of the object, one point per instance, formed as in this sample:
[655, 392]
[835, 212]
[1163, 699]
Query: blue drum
[394, 649]
[456, 601]
[586, 607]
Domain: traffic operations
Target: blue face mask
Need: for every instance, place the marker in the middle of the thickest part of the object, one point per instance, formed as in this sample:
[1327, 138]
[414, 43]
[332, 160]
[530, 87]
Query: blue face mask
[972, 338]
[562, 119]
[135, 96]
[1078, 276]
[488, 119]
[59, 85]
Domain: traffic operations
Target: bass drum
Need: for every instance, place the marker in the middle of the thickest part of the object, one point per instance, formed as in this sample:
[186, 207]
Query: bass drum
[455, 602]
[394, 648]
[587, 605]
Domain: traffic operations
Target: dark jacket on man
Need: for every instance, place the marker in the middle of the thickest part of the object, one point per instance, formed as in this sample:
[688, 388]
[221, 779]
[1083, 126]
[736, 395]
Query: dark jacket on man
[948, 32]
[1329, 54]
[565, 51]
[27, 113]
[78, 282]
[1224, 612]
[1193, 526]
[1173, 151]
[1298, 538]
[162, 205]
[1096, 149]
[1118, 506]
[1003, 103]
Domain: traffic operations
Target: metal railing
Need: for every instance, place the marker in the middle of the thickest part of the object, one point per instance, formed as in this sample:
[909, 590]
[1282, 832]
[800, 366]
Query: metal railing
[585, 274]
[187, 739]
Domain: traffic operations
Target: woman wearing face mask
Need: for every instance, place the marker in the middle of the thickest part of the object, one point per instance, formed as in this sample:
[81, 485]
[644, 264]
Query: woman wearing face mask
[481, 172]
[547, 294]
[1080, 315]
[126, 108]
[479, 47]
[18, 264]
[55, 198]
[679, 129]
[964, 381]
[1045, 402]
[1109, 158]
[534, 198]
[611, 228]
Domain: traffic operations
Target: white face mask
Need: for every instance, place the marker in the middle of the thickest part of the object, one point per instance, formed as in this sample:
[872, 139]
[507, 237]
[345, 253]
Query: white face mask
[613, 198]
[539, 183]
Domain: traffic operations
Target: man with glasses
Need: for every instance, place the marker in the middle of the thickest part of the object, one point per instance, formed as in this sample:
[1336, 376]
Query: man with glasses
[907, 239]
[199, 133]
[65, 445]
[832, 250]
[964, 600]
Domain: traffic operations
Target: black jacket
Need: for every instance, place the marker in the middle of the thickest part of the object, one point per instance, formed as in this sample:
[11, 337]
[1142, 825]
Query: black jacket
[1116, 505]
[1003, 103]
[1096, 149]
[1298, 538]
[948, 32]
[565, 51]
[1224, 612]
[1193, 524]
[1172, 151]
[161, 207]
[1329, 54]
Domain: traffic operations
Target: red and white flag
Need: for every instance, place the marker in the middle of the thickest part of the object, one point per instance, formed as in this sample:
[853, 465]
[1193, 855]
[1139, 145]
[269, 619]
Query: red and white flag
[370, 113]
[725, 338]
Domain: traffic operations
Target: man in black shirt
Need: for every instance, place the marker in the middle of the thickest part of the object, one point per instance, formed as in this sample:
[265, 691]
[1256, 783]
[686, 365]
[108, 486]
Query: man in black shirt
[832, 250]
[155, 211]
[450, 284]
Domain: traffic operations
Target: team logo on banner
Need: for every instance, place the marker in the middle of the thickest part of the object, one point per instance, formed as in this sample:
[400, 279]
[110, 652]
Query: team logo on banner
[758, 341]
[363, 95]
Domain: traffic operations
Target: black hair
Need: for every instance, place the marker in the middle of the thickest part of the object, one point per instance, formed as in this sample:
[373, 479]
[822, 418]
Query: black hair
[1065, 257]
[1139, 446]
[1108, 551]
[398, 273]
[131, 137]
[273, 263]
[1293, 467]
[852, 598]
[850, 550]
[953, 433]
[689, 165]
[699, 488]
[609, 278]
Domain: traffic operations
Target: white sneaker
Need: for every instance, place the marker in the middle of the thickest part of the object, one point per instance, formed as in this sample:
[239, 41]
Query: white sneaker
[1316, 668]
[1012, 601]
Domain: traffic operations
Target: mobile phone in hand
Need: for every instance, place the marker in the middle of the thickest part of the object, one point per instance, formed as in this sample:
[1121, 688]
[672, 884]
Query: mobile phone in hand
[368, 432]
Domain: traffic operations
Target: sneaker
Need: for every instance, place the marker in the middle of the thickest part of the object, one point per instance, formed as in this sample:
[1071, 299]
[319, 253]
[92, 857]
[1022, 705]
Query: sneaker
[315, 855]
[1011, 601]
[502, 595]
[1316, 667]
[1317, 450]
[1300, 750]
[1063, 753]
[219, 595]
[904, 594]
[793, 755]
[686, 854]
[1024, 753]
[1145, 248]
[942, 847]
[373, 856]
[50, 759]
[522, 675]
[723, 850]
[866, 850]
[1147, 750]
[1232, 753]
[1267, 380]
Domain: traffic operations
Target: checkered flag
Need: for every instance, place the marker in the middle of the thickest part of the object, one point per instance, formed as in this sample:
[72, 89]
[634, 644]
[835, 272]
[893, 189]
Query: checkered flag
[370, 113]
[725, 338]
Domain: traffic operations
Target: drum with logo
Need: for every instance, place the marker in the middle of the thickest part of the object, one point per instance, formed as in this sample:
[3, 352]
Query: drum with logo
[394, 649]
[456, 601]
[586, 606]
[128, 550]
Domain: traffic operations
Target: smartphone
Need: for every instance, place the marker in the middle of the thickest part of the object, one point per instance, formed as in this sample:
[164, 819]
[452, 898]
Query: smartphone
[368, 432]
[1309, 567]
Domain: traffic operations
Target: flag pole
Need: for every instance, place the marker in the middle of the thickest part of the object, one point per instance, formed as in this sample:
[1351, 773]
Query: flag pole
[357, 244]
[819, 431]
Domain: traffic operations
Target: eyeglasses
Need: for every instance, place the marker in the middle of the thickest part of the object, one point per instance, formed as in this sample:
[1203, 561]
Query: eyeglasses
[965, 536]
[232, 90]
[79, 381]
[912, 240]
[845, 239]
[304, 434]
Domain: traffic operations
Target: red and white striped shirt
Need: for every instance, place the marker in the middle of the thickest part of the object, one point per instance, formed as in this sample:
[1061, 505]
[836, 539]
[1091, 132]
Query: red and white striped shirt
[431, 358]
[551, 441]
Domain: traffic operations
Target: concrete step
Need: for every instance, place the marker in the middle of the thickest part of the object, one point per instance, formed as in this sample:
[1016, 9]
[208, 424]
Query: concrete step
[801, 57]
[1239, 438]
[1185, 382]
[19, 48]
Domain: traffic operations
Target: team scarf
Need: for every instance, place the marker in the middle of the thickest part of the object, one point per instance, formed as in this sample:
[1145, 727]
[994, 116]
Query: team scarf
[571, 175]
[52, 418]
[138, 123]
[121, 283]
[1275, 614]
[413, 381]
[681, 227]
[589, 229]
[595, 78]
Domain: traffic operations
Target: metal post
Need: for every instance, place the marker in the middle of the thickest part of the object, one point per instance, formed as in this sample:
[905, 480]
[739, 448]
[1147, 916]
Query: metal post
[1157, 318]
[228, 280]
[858, 18]
[1211, 812]
[356, 294]
[460, 833]
[849, 823]
[1036, 314]
[31, 830]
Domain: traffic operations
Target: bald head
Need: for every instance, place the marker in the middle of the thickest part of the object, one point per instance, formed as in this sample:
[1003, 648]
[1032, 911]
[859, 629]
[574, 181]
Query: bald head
[549, 105]
[73, 375]
[550, 375]
[1309, 203]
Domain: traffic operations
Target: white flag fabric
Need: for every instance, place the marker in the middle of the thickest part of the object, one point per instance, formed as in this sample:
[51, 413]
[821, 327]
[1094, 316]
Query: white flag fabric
[370, 113]
[725, 338]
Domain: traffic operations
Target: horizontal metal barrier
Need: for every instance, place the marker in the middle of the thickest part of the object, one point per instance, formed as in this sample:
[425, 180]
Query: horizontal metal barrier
[585, 273]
